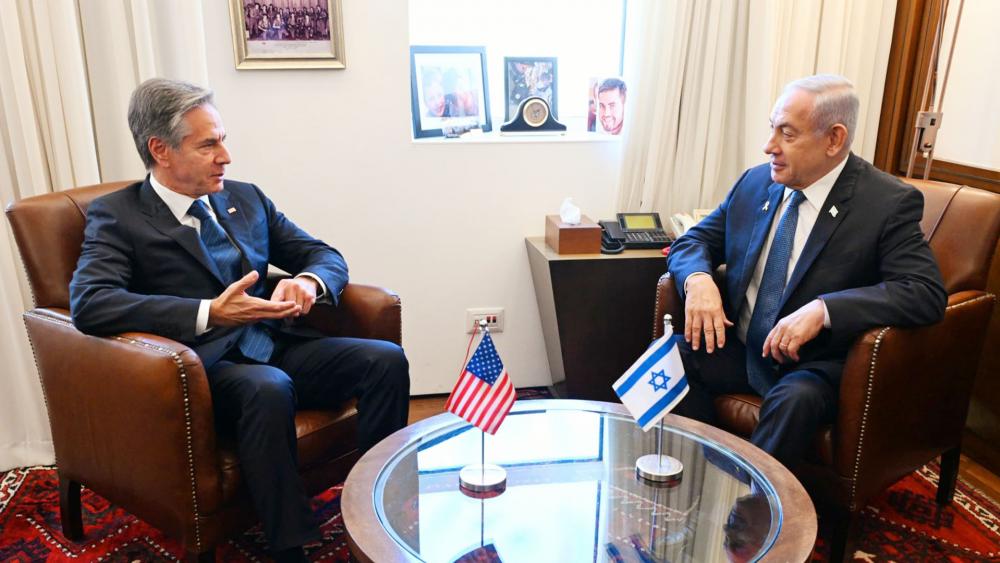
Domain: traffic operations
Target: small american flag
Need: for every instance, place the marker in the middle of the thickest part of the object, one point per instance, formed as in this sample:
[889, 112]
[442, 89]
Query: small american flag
[484, 394]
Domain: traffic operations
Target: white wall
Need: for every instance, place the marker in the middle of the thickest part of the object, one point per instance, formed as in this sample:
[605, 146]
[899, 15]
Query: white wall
[442, 224]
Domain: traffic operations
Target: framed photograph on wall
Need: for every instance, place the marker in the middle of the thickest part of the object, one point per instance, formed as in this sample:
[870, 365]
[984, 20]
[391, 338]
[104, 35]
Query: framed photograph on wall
[529, 76]
[269, 34]
[448, 90]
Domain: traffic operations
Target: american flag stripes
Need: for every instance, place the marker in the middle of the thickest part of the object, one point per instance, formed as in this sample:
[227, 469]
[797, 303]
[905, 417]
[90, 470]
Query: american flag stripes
[483, 394]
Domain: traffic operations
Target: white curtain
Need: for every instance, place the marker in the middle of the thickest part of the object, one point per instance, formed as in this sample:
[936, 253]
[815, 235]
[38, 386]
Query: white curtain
[706, 74]
[67, 68]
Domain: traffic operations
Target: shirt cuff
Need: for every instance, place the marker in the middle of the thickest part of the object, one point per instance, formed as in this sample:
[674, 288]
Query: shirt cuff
[691, 276]
[201, 323]
[826, 315]
[322, 296]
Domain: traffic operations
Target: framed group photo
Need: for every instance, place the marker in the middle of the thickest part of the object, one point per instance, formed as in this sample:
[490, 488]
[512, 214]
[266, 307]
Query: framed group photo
[448, 90]
[525, 77]
[271, 34]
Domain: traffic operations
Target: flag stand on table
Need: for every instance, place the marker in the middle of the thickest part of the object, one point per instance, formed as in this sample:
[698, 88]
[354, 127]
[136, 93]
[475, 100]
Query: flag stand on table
[482, 396]
[662, 364]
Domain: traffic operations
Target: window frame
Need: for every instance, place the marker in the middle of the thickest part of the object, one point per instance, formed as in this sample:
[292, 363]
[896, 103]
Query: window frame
[910, 54]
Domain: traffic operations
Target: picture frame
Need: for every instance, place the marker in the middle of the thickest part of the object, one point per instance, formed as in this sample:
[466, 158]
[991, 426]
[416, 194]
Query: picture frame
[273, 34]
[448, 90]
[524, 77]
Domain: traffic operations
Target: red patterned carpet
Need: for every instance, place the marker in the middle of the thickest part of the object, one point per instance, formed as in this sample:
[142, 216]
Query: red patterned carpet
[30, 529]
[902, 524]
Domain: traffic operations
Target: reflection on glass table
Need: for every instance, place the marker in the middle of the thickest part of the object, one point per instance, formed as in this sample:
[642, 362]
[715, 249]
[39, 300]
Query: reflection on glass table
[572, 494]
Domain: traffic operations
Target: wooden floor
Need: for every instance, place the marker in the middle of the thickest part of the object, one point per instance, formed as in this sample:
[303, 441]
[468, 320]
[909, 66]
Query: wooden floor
[972, 472]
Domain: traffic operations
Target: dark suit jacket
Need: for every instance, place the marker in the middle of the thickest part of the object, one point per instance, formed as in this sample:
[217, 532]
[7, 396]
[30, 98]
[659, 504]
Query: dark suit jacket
[869, 263]
[141, 270]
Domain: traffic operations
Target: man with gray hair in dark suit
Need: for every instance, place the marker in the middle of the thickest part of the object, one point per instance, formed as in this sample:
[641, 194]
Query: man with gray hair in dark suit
[184, 254]
[818, 246]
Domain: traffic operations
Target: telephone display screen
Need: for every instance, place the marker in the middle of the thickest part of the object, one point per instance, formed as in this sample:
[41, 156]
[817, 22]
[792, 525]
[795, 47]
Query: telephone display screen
[640, 222]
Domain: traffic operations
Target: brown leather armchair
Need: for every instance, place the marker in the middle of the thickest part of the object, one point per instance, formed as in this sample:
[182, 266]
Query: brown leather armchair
[131, 415]
[905, 392]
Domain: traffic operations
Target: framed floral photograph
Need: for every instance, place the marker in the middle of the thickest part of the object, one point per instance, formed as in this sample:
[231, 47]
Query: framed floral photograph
[448, 90]
[271, 34]
[525, 77]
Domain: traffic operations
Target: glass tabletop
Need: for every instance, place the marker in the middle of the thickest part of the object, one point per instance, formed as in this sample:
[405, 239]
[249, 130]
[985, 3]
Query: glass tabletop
[572, 494]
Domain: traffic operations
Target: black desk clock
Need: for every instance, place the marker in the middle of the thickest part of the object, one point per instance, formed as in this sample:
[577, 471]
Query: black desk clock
[533, 116]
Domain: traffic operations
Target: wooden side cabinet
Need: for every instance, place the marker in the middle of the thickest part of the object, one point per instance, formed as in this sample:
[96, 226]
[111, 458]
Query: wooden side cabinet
[596, 312]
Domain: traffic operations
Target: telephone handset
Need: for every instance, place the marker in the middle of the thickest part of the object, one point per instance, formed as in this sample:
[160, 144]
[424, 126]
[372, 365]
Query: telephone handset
[612, 237]
[680, 223]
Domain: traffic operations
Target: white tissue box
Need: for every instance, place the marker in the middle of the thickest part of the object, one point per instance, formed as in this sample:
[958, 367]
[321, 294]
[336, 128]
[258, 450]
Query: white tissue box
[564, 238]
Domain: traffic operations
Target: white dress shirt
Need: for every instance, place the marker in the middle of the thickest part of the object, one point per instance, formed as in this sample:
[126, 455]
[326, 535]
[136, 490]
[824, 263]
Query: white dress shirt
[179, 204]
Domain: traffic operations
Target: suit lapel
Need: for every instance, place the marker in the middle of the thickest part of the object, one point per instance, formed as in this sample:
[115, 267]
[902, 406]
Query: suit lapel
[160, 217]
[233, 220]
[764, 214]
[826, 224]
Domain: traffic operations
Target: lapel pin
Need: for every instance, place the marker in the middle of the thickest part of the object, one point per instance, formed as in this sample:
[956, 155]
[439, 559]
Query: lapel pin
[231, 210]
[833, 210]
[766, 205]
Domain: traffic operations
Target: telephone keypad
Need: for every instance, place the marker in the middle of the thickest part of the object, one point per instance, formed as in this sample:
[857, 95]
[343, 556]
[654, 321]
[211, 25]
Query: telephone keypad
[633, 236]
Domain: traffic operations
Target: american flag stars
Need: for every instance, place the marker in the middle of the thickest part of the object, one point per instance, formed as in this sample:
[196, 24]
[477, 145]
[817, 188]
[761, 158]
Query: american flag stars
[484, 393]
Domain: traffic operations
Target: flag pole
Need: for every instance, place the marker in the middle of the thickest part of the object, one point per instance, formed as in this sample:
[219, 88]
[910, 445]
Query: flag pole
[478, 478]
[658, 469]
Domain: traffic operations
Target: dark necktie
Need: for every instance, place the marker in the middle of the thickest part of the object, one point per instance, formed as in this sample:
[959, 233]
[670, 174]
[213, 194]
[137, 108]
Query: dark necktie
[760, 371]
[254, 343]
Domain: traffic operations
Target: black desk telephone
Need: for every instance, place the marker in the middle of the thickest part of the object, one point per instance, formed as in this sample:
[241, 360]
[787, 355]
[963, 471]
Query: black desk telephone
[633, 230]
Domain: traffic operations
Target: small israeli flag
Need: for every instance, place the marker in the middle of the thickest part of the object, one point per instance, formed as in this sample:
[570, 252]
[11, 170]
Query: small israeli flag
[655, 383]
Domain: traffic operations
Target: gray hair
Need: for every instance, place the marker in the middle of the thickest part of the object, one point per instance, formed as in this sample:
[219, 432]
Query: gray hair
[157, 109]
[835, 102]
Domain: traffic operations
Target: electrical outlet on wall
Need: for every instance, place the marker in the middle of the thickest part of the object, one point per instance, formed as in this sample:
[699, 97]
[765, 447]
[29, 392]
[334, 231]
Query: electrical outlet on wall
[492, 315]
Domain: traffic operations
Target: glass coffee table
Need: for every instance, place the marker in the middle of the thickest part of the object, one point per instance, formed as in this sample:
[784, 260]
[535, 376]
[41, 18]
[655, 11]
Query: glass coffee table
[572, 493]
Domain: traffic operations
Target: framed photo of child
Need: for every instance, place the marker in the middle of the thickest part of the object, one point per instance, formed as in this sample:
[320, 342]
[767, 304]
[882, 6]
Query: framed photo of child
[448, 90]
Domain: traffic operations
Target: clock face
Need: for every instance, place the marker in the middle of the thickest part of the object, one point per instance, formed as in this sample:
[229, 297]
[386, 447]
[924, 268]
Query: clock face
[536, 112]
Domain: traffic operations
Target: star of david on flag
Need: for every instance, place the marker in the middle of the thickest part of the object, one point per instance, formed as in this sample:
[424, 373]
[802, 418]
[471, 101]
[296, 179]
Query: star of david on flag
[655, 383]
[483, 394]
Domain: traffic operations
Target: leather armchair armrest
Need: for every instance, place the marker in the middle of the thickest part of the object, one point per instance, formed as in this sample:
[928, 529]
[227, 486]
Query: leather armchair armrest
[905, 393]
[132, 412]
[364, 311]
[668, 302]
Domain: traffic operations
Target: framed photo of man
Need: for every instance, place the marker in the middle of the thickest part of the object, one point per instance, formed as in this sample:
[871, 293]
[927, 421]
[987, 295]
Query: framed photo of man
[448, 90]
[270, 34]
[529, 76]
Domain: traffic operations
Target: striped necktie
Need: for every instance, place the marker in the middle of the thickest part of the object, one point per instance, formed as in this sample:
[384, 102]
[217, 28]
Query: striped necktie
[761, 372]
[255, 343]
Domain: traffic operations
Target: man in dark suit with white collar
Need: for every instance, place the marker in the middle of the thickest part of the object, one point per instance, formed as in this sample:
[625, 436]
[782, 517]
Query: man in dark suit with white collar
[184, 254]
[818, 246]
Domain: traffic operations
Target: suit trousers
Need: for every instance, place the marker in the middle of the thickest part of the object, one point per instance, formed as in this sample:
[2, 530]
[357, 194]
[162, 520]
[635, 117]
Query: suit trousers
[257, 402]
[791, 413]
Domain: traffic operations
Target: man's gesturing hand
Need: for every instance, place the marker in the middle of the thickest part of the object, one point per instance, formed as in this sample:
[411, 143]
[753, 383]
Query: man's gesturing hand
[703, 313]
[301, 290]
[793, 331]
[234, 307]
